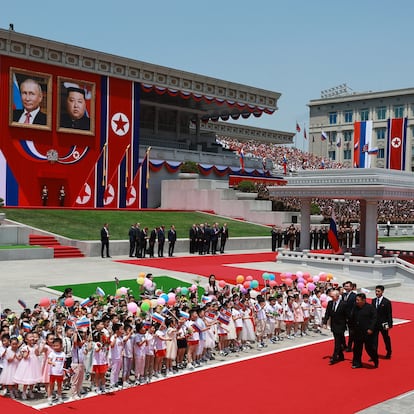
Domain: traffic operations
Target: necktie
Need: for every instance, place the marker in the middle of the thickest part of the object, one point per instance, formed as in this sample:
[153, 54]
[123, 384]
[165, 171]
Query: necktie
[27, 120]
[378, 302]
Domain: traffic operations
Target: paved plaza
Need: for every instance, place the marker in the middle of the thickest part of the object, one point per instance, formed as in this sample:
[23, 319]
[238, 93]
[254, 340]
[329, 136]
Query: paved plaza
[27, 280]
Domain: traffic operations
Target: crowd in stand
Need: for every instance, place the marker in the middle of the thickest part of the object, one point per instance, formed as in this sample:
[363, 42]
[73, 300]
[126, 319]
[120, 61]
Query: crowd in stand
[105, 343]
[295, 160]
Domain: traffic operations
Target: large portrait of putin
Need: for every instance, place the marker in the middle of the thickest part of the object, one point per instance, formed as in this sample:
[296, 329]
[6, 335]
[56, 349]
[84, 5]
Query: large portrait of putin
[30, 99]
[76, 106]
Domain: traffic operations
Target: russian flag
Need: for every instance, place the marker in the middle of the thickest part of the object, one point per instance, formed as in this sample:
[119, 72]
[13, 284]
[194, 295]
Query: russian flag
[373, 151]
[297, 127]
[86, 302]
[324, 136]
[184, 315]
[17, 98]
[156, 317]
[26, 326]
[22, 303]
[71, 322]
[82, 322]
[205, 299]
[333, 236]
[100, 292]
[224, 317]
[196, 327]
[362, 141]
[147, 323]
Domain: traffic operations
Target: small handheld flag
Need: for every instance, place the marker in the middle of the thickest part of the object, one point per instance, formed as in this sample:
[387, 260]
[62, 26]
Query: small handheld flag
[22, 303]
[100, 292]
[156, 317]
[184, 315]
[82, 322]
[26, 326]
[86, 302]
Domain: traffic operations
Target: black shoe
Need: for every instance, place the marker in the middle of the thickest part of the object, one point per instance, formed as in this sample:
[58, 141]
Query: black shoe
[109, 257]
[388, 356]
[333, 361]
[356, 366]
[347, 349]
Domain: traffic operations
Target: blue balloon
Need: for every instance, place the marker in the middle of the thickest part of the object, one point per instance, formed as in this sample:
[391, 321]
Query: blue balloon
[272, 276]
[165, 297]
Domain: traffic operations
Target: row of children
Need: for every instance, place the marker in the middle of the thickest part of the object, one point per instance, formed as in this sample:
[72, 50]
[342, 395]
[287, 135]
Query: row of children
[130, 350]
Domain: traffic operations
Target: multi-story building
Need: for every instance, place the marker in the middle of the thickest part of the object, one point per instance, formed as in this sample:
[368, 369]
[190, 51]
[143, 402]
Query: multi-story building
[337, 123]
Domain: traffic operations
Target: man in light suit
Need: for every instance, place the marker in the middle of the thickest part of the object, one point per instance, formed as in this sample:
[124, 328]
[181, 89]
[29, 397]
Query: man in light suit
[384, 319]
[32, 95]
[336, 312]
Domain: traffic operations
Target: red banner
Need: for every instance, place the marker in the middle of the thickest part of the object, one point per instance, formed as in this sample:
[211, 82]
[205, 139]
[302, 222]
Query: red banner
[396, 143]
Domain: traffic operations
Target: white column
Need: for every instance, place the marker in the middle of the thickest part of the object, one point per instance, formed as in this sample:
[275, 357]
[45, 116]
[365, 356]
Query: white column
[305, 224]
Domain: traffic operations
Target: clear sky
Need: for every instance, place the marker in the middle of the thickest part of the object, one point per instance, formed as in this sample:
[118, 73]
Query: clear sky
[296, 47]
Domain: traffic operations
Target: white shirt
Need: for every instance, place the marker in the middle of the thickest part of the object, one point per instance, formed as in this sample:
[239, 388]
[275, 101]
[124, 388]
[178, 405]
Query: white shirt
[33, 114]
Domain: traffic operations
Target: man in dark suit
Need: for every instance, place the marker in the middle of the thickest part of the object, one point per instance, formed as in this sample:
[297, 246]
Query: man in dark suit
[151, 241]
[161, 241]
[224, 235]
[336, 313]
[172, 238]
[132, 239]
[349, 298]
[32, 95]
[193, 238]
[105, 240]
[384, 319]
[273, 233]
[364, 321]
[75, 116]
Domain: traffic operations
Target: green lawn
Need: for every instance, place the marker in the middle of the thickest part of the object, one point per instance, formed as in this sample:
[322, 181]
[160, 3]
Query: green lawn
[395, 239]
[84, 290]
[86, 224]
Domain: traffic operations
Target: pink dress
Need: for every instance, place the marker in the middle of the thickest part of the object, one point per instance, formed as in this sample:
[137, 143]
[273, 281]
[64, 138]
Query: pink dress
[9, 369]
[29, 371]
[45, 366]
[172, 345]
[297, 312]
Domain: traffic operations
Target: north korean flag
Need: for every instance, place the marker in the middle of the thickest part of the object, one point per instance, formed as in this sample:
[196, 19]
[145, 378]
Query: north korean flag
[396, 143]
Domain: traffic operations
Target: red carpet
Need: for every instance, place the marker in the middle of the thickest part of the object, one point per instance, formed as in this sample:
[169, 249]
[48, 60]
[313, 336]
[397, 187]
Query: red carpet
[219, 265]
[296, 381]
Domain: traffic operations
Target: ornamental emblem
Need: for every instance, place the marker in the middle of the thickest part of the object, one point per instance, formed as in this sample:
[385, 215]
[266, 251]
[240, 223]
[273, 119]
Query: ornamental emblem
[52, 156]
[396, 142]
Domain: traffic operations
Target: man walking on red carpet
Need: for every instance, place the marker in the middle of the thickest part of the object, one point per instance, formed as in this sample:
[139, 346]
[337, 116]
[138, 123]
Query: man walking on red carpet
[384, 319]
[364, 320]
[336, 312]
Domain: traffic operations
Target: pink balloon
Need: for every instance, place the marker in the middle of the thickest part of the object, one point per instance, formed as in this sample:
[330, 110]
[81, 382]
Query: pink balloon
[147, 283]
[161, 301]
[324, 304]
[289, 282]
[171, 295]
[249, 278]
[301, 285]
[322, 277]
[172, 301]
[299, 273]
[311, 286]
[246, 284]
[222, 283]
[315, 279]
[272, 283]
[301, 280]
[304, 291]
[323, 297]
[132, 307]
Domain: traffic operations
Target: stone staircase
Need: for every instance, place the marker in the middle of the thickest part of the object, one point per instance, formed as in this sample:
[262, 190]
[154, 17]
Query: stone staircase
[51, 242]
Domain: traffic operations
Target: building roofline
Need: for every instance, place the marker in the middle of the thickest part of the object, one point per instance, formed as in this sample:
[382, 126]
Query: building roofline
[24, 46]
[359, 96]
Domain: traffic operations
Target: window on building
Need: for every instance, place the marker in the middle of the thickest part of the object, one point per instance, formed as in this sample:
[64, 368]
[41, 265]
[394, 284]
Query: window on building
[333, 118]
[332, 155]
[349, 116]
[332, 137]
[347, 154]
[380, 133]
[381, 112]
[348, 135]
[381, 153]
[364, 114]
[398, 111]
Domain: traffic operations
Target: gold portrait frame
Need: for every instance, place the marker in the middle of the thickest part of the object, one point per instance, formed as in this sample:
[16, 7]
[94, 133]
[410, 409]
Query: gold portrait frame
[43, 119]
[63, 121]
